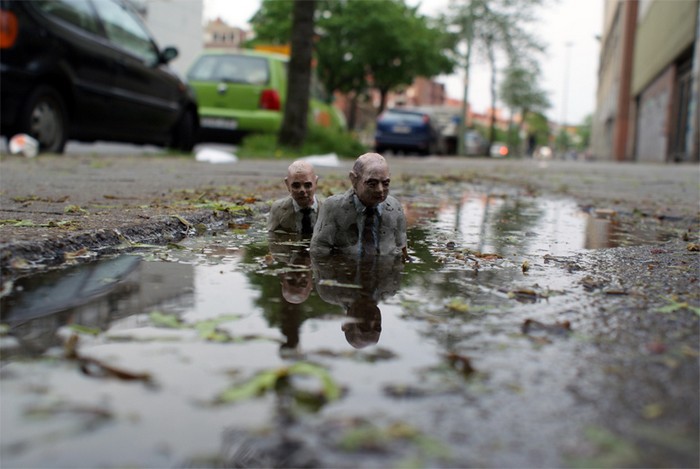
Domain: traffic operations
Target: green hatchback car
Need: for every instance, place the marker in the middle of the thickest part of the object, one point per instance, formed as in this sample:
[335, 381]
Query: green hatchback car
[243, 91]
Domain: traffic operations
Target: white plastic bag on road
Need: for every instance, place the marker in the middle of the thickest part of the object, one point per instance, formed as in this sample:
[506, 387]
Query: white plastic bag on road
[329, 159]
[213, 155]
[24, 144]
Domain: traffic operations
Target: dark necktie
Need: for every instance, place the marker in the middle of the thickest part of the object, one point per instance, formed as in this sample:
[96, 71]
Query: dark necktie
[368, 242]
[306, 227]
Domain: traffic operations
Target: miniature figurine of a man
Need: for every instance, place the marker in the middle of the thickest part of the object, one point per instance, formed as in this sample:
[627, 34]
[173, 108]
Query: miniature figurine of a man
[365, 220]
[296, 213]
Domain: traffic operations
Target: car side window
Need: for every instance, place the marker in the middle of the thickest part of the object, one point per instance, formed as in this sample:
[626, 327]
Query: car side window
[122, 28]
[75, 12]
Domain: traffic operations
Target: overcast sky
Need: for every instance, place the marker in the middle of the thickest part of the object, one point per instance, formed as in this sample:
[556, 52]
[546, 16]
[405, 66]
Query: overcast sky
[572, 22]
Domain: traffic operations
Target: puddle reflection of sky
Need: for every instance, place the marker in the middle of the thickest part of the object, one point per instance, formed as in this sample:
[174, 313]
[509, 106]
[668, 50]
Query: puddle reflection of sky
[524, 226]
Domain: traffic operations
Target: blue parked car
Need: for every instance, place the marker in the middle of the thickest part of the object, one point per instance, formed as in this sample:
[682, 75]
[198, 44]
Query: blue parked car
[407, 130]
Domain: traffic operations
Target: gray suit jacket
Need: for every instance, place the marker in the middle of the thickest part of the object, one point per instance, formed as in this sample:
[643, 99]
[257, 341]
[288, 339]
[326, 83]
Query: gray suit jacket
[282, 216]
[337, 228]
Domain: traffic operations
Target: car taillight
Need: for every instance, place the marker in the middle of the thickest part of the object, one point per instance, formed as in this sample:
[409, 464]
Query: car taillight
[8, 29]
[503, 151]
[270, 100]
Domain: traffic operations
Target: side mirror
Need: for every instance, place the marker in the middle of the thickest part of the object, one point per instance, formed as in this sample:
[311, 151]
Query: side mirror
[168, 54]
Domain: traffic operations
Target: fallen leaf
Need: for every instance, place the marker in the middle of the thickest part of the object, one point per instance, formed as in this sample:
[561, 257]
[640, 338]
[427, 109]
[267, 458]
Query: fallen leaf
[80, 253]
[653, 411]
[607, 213]
[460, 363]
[74, 209]
[533, 327]
[656, 347]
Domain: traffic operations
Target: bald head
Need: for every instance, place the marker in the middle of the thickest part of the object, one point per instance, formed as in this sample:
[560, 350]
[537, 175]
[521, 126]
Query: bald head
[301, 182]
[370, 179]
[368, 159]
[300, 167]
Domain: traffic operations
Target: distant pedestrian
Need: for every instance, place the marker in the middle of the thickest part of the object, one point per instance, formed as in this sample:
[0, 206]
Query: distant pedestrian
[365, 219]
[296, 213]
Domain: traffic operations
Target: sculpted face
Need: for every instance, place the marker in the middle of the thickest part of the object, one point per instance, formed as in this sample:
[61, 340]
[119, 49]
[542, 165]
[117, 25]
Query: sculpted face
[301, 183]
[371, 184]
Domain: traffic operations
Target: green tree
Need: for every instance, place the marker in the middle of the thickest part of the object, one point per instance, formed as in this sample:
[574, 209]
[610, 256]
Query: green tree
[584, 132]
[521, 93]
[362, 44]
[294, 123]
[398, 45]
[272, 23]
[538, 126]
[340, 66]
[492, 28]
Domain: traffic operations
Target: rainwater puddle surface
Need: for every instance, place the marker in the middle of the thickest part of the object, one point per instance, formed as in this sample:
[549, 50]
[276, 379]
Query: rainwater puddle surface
[237, 349]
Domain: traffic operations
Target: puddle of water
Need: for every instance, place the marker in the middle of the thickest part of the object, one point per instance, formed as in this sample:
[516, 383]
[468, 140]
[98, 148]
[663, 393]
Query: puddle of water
[387, 333]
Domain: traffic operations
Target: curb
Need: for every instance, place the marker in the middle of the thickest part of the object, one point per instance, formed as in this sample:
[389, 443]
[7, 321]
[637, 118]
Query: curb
[25, 257]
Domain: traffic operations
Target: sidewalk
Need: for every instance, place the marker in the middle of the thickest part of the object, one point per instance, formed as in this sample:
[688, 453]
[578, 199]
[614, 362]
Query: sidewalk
[54, 205]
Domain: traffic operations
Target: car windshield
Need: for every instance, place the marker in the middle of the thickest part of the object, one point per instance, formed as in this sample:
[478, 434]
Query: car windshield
[230, 68]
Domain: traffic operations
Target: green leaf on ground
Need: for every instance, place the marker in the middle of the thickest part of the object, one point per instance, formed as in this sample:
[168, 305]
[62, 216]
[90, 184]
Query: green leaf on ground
[165, 320]
[84, 329]
[674, 306]
[269, 380]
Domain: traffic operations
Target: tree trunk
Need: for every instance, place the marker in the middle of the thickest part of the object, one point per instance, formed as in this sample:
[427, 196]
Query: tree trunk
[492, 123]
[352, 112]
[296, 109]
[521, 125]
[383, 93]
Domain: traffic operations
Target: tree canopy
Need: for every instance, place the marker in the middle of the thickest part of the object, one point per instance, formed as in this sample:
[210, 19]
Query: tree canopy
[491, 28]
[360, 44]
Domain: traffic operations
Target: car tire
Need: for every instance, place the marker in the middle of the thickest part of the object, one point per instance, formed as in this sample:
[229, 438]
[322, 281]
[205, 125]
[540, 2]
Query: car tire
[184, 135]
[44, 118]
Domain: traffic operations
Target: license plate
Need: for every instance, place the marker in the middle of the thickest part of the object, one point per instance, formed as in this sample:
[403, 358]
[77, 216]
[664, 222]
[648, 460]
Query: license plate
[401, 129]
[219, 123]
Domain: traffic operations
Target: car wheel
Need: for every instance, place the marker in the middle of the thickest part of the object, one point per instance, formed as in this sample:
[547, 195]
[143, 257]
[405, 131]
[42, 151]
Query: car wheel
[183, 136]
[44, 118]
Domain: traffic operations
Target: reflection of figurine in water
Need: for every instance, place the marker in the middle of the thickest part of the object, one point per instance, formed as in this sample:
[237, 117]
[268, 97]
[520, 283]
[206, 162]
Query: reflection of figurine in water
[358, 285]
[297, 212]
[365, 219]
[366, 325]
[296, 282]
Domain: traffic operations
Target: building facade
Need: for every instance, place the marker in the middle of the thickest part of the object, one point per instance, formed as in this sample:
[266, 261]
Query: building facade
[218, 34]
[647, 82]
